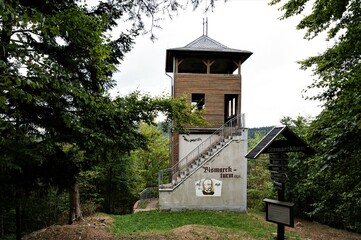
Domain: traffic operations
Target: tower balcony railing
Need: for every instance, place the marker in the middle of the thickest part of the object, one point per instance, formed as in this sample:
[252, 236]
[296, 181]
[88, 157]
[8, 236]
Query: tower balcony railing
[169, 178]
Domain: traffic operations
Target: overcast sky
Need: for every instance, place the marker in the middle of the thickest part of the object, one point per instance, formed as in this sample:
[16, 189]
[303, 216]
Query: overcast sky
[272, 81]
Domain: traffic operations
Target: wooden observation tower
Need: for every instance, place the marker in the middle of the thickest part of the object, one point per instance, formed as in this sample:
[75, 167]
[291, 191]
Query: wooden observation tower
[209, 74]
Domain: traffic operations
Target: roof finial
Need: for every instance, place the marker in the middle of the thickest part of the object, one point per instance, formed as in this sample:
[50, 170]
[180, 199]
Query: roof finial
[205, 26]
[205, 21]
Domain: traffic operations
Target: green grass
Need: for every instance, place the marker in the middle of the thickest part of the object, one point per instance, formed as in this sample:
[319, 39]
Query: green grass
[248, 225]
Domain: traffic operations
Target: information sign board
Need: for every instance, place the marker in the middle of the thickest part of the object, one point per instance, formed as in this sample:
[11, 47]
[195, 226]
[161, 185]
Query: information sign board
[279, 212]
[278, 156]
[279, 177]
[279, 161]
[286, 149]
[278, 168]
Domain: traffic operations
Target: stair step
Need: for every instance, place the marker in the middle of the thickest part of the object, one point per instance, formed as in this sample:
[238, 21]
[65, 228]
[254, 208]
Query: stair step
[165, 186]
[193, 165]
[213, 150]
[186, 167]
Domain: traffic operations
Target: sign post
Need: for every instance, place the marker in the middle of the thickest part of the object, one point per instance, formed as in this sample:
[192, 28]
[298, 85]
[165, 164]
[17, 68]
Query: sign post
[279, 211]
[279, 167]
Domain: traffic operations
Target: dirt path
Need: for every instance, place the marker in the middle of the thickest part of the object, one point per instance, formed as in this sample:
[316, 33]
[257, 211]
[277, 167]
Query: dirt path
[91, 228]
[316, 231]
[151, 204]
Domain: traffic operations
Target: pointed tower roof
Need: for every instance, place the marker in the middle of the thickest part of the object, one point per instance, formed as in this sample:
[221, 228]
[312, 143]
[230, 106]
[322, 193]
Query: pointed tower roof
[205, 42]
[205, 46]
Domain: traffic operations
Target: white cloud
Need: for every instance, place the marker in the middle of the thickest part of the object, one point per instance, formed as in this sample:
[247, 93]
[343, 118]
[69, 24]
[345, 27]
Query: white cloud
[272, 80]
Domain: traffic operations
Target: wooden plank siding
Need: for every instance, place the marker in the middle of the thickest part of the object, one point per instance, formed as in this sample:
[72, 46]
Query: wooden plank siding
[214, 86]
[175, 149]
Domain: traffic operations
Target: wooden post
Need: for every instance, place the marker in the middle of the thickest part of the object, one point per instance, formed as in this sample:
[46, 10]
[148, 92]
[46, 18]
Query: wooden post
[281, 227]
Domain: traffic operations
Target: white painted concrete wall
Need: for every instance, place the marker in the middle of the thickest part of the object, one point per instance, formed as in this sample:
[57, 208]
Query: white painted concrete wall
[194, 140]
[228, 171]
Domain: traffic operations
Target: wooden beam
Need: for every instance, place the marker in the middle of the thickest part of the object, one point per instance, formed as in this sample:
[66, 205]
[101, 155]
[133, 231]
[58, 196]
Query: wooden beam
[238, 64]
[178, 62]
[208, 64]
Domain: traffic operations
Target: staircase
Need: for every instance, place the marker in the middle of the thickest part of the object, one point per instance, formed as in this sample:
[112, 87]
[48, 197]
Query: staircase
[170, 178]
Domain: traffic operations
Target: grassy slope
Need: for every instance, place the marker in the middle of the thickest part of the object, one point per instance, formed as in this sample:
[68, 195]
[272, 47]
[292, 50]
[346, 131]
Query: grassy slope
[191, 225]
[227, 225]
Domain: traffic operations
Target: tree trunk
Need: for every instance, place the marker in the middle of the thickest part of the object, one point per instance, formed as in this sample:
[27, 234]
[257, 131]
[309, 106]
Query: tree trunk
[2, 233]
[74, 202]
[18, 221]
[108, 207]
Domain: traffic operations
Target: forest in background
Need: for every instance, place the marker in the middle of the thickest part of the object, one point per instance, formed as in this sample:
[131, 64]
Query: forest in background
[66, 146]
[115, 187]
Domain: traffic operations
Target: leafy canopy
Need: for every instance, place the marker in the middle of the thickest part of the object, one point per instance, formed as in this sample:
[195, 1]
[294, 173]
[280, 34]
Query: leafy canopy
[57, 61]
[336, 131]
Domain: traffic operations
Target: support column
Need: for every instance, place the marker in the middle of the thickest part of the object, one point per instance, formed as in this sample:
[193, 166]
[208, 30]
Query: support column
[281, 227]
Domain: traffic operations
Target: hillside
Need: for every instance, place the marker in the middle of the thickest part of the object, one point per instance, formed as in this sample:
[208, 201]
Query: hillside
[100, 225]
[261, 130]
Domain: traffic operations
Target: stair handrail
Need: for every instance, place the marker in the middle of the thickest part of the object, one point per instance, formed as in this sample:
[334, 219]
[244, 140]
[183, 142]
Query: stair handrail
[149, 192]
[228, 129]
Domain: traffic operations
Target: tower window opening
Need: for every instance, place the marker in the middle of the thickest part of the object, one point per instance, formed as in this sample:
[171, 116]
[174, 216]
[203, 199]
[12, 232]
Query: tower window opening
[230, 108]
[198, 100]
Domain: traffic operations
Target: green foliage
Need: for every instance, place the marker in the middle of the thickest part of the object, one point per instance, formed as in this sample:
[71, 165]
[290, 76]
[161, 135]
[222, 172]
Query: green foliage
[259, 183]
[91, 183]
[56, 117]
[336, 132]
[115, 182]
[328, 192]
[299, 125]
[40, 209]
[253, 132]
[299, 188]
[148, 161]
[52, 68]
